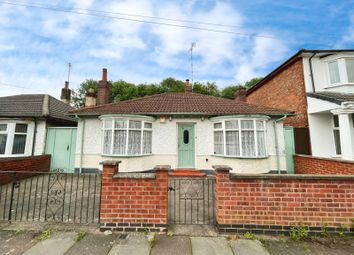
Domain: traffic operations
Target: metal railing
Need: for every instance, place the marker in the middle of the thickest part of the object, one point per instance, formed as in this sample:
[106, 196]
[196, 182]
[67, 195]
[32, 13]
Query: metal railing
[50, 196]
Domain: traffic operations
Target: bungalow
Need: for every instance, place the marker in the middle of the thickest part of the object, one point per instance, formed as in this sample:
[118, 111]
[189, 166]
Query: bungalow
[26, 122]
[184, 130]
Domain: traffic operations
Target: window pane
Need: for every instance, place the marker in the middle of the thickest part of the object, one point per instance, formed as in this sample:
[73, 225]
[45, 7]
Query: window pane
[335, 121]
[135, 124]
[218, 142]
[259, 124]
[107, 124]
[134, 143]
[3, 139]
[185, 136]
[349, 63]
[333, 72]
[120, 124]
[248, 143]
[19, 144]
[119, 142]
[147, 125]
[337, 142]
[147, 142]
[247, 124]
[261, 143]
[231, 124]
[107, 141]
[232, 143]
[21, 128]
[217, 125]
[3, 127]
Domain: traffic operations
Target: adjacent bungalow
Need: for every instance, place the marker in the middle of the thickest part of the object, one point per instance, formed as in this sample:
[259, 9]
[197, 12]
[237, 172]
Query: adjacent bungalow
[185, 130]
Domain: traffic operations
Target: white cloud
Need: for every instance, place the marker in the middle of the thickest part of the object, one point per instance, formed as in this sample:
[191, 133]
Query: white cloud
[265, 51]
[348, 38]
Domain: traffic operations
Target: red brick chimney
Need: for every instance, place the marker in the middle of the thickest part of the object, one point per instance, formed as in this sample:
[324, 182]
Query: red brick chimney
[188, 88]
[240, 95]
[65, 95]
[103, 89]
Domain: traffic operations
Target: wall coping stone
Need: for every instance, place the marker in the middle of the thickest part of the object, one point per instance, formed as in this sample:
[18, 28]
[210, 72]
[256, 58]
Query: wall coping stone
[130, 175]
[291, 176]
[110, 162]
[327, 159]
[162, 167]
[221, 168]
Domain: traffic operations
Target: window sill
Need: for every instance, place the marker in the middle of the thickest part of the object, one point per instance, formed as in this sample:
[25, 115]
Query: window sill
[14, 156]
[338, 85]
[239, 157]
[125, 156]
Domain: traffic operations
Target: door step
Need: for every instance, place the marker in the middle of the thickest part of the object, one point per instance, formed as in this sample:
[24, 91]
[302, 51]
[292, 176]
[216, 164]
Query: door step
[188, 173]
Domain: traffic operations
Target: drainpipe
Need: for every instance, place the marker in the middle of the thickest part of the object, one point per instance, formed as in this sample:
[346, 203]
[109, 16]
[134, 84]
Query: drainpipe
[34, 136]
[82, 140]
[277, 142]
[311, 73]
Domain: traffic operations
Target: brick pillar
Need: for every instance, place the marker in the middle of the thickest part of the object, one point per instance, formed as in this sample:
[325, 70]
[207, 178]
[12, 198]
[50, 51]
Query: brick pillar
[222, 177]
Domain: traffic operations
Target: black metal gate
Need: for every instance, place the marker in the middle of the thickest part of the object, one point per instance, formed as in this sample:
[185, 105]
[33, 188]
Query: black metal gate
[53, 196]
[191, 200]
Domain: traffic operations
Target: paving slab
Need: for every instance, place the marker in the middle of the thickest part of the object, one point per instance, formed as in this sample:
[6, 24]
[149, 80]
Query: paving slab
[57, 244]
[287, 247]
[13, 243]
[172, 245]
[248, 247]
[210, 246]
[93, 244]
[135, 243]
[193, 230]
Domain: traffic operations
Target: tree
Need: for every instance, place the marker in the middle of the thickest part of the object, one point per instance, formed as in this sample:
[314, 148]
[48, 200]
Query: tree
[172, 85]
[78, 97]
[249, 84]
[229, 92]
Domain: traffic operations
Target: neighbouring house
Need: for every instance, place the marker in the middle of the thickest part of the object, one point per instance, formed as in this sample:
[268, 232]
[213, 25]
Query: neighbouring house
[318, 85]
[29, 122]
[184, 130]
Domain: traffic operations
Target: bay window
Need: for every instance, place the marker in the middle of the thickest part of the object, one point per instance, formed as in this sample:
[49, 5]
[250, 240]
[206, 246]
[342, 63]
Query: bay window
[240, 138]
[13, 137]
[126, 137]
[341, 71]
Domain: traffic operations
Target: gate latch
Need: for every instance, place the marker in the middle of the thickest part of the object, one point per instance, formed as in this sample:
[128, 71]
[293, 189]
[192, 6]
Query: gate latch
[171, 189]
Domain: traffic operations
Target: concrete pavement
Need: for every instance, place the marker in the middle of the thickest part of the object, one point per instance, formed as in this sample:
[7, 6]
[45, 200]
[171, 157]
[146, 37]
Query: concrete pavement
[68, 243]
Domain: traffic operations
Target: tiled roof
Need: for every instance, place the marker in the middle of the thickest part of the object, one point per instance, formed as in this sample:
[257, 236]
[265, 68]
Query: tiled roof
[179, 103]
[333, 97]
[34, 105]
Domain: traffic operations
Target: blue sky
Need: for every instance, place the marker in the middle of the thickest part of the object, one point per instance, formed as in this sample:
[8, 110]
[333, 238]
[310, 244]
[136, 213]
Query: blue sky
[36, 44]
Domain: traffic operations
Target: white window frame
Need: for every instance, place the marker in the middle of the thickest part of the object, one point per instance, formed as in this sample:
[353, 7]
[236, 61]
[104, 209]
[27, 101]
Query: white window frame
[11, 132]
[343, 75]
[334, 128]
[239, 129]
[127, 129]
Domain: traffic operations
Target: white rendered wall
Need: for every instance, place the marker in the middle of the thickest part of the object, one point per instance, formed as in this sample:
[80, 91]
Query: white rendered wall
[41, 135]
[321, 76]
[164, 148]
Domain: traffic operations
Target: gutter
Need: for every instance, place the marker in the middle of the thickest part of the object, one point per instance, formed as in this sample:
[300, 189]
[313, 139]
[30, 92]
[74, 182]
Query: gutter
[276, 141]
[82, 140]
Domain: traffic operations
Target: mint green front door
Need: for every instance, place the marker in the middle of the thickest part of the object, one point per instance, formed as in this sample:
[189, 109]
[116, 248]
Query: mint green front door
[61, 144]
[186, 146]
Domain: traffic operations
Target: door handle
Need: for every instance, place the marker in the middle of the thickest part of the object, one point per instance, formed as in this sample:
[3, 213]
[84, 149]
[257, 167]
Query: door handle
[67, 148]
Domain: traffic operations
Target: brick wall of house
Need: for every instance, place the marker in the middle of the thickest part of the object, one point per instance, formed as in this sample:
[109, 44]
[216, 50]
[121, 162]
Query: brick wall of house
[314, 165]
[271, 204]
[21, 165]
[286, 90]
[133, 201]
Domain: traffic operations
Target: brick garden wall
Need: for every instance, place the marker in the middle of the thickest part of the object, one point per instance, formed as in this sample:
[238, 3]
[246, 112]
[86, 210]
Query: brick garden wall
[133, 201]
[286, 90]
[21, 165]
[313, 165]
[270, 204]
